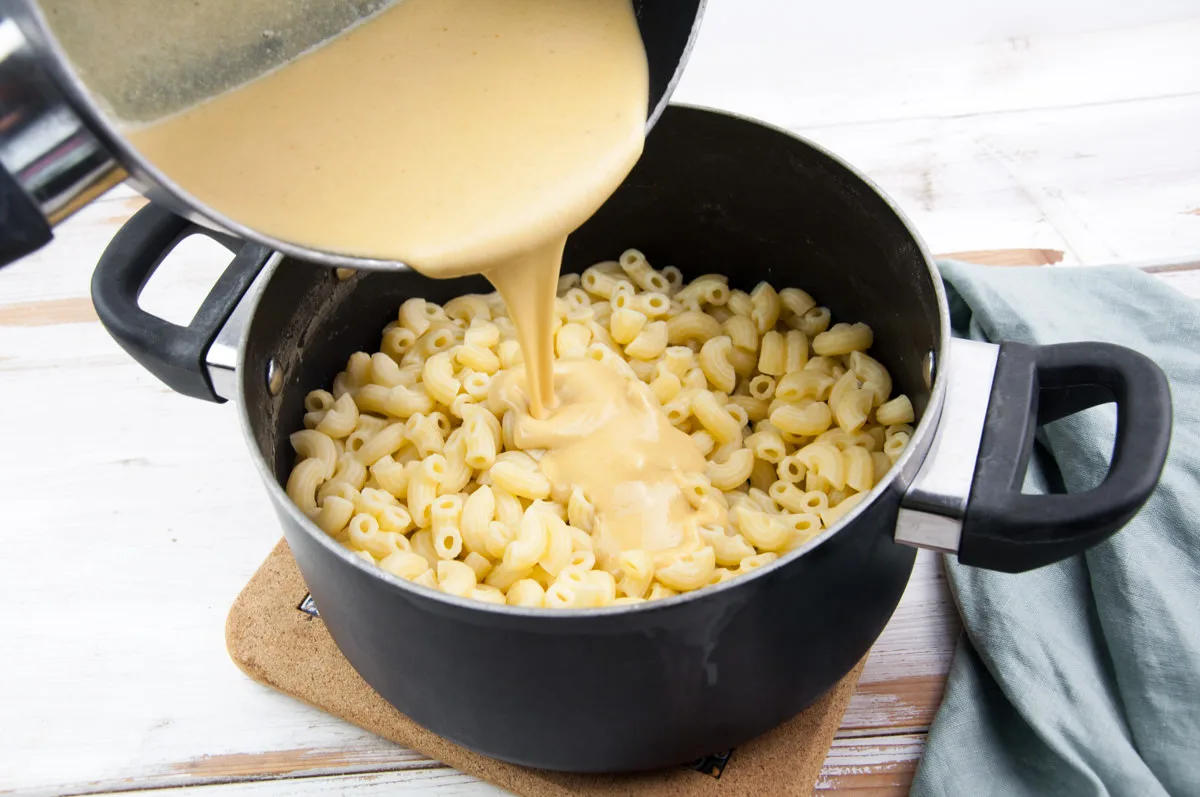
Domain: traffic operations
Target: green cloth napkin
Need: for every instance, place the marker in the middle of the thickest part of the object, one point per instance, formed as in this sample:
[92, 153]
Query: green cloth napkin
[1082, 678]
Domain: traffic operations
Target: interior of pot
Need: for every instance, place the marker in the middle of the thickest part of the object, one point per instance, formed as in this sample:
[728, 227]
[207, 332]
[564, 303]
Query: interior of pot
[712, 193]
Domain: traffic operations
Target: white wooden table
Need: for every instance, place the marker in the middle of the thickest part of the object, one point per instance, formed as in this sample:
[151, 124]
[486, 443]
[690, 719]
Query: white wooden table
[133, 516]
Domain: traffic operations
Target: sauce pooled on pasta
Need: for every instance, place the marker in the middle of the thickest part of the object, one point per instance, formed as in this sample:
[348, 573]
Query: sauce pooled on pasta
[609, 435]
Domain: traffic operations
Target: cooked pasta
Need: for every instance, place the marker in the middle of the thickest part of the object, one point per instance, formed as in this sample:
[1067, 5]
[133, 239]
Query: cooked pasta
[412, 463]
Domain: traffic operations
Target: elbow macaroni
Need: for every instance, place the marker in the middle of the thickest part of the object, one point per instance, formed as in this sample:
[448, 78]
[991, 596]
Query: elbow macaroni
[411, 464]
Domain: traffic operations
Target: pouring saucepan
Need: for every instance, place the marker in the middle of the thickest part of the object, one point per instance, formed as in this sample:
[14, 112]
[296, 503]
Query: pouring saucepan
[632, 688]
[61, 145]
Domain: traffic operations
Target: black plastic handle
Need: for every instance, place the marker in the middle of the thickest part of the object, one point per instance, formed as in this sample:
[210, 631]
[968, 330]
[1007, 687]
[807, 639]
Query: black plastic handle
[23, 228]
[173, 353]
[1006, 530]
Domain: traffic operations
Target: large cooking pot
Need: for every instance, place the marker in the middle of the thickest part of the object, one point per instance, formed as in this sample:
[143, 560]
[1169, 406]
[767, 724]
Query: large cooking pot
[656, 684]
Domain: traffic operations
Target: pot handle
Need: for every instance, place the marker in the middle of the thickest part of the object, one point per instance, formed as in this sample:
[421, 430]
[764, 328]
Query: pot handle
[175, 354]
[998, 527]
[1035, 385]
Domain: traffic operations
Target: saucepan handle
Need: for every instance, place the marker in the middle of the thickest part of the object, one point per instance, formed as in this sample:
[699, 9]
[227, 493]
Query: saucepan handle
[173, 353]
[1000, 528]
[23, 228]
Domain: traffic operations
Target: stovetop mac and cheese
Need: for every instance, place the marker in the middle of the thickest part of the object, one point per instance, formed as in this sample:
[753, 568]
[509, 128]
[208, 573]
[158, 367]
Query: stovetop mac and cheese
[702, 433]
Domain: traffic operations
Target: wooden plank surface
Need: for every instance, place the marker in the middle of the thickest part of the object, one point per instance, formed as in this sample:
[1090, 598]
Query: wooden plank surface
[1081, 142]
[134, 515]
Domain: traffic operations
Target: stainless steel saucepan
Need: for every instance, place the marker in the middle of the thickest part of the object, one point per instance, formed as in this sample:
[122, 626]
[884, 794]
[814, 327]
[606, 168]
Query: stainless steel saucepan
[73, 72]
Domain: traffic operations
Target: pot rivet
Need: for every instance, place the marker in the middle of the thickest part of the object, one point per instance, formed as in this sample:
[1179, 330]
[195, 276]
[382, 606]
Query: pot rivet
[274, 377]
[928, 368]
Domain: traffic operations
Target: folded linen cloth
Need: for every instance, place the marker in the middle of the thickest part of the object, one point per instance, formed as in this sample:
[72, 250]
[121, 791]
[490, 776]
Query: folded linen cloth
[1082, 678]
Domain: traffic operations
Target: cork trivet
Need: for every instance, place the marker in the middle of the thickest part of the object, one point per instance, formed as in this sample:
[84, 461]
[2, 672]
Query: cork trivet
[275, 638]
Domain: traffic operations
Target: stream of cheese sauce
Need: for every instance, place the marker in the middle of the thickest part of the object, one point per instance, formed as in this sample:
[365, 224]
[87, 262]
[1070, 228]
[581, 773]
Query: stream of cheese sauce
[462, 137]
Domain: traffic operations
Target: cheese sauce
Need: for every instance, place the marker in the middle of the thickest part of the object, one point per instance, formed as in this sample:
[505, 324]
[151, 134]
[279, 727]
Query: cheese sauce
[461, 137]
[609, 436]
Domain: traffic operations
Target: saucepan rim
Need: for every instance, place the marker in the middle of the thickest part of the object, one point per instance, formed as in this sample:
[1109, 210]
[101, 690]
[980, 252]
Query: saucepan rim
[907, 464]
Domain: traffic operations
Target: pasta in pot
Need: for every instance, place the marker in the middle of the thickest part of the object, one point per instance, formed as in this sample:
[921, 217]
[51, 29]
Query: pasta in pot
[412, 463]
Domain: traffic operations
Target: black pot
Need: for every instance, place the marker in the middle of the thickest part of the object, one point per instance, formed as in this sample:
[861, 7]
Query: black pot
[632, 688]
